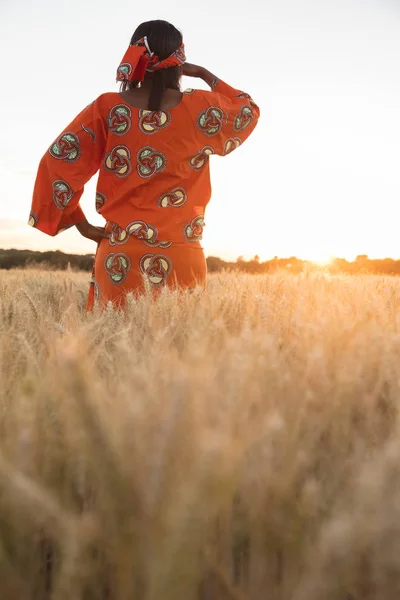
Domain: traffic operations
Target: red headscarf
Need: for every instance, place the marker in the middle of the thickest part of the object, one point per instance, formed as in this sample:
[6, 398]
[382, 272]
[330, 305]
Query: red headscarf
[139, 59]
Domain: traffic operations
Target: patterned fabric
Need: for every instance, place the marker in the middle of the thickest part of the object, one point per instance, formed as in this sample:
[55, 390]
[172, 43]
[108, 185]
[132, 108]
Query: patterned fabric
[129, 265]
[139, 59]
[153, 185]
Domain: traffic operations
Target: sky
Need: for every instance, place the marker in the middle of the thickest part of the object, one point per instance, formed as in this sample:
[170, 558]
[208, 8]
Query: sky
[319, 176]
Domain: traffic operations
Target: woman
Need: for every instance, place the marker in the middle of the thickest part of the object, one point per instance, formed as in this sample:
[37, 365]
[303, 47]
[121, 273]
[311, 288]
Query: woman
[152, 144]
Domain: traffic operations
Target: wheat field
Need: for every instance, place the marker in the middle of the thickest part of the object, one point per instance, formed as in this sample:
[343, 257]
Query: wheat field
[243, 444]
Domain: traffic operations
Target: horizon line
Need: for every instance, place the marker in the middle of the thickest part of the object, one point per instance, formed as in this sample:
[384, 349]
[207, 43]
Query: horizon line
[240, 257]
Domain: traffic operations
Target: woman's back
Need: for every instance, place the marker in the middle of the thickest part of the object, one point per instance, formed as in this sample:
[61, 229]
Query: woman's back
[139, 98]
[154, 181]
[148, 161]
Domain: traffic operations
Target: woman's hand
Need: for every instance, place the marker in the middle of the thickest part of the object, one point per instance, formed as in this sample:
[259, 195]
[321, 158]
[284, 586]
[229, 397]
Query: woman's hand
[92, 232]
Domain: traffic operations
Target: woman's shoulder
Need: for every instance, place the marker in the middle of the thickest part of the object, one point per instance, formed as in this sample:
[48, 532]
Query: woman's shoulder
[198, 98]
[106, 101]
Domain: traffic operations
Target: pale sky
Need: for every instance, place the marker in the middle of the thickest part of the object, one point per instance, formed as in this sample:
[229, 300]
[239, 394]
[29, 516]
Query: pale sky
[320, 175]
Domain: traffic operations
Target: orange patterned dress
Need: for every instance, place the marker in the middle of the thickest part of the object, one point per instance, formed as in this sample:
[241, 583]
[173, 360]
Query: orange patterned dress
[153, 185]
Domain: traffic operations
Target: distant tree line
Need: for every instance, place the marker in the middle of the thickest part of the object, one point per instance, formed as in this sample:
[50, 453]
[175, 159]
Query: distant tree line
[11, 259]
[362, 264]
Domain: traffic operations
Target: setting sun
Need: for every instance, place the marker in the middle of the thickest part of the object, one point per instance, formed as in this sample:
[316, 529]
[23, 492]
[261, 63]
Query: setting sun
[322, 259]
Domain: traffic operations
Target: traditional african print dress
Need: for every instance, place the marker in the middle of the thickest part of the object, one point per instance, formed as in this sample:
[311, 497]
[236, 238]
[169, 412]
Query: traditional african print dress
[153, 185]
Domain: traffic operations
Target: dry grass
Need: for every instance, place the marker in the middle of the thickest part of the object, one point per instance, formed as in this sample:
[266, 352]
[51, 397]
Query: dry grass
[240, 445]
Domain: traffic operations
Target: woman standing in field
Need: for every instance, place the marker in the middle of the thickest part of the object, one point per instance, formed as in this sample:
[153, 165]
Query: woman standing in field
[152, 145]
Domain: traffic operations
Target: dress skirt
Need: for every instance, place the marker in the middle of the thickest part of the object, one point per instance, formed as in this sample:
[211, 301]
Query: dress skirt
[132, 264]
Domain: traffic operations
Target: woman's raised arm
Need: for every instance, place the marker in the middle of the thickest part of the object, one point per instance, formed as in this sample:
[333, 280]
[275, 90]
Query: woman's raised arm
[234, 111]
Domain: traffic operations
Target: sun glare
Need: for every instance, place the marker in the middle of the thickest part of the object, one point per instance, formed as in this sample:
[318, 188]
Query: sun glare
[322, 259]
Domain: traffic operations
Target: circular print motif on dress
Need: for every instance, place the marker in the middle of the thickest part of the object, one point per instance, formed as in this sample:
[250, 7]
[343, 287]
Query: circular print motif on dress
[96, 288]
[151, 121]
[146, 233]
[117, 265]
[231, 144]
[150, 162]
[62, 193]
[100, 200]
[175, 198]
[33, 219]
[210, 121]
[193, 231]
[157, 267]
[198, 161]
[119, 120]
[243, 119]
[118, 161]
[142, 231]
[118, 235]
[66, 147]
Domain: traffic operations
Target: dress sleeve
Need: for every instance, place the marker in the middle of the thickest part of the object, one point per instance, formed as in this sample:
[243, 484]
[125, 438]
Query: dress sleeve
[234, 115]
[72, 159]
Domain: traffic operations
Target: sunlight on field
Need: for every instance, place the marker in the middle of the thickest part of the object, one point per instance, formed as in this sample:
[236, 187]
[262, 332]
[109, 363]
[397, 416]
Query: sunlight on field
[240, 445]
